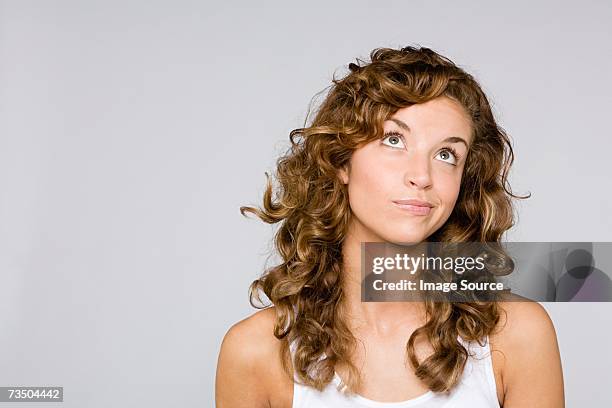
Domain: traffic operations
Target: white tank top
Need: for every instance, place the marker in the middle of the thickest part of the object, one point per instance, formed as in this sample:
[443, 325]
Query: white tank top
[476, 388]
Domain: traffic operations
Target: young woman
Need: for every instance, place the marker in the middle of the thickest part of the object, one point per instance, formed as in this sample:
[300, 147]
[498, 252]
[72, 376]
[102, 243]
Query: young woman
[404, 148]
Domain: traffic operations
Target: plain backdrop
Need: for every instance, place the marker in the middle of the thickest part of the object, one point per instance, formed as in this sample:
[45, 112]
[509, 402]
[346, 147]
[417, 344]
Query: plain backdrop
[132, 131]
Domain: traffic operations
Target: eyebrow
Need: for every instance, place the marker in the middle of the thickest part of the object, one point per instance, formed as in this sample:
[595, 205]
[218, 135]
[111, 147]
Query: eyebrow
[452, 139]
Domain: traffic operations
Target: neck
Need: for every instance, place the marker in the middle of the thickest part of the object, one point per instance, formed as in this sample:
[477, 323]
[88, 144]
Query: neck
[379, 317]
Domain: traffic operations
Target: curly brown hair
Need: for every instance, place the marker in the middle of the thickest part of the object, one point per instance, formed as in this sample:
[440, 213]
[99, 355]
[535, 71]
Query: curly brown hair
[312, 203]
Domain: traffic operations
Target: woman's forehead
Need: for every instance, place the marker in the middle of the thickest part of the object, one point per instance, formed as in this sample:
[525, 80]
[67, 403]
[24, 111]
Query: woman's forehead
[432, 120]
[433, 111]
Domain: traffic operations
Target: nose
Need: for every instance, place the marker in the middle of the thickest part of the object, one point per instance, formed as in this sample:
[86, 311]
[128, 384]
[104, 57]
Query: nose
[418, 173]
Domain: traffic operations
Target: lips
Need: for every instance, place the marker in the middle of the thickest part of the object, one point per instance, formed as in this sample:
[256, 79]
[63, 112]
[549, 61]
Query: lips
[414, 206]
[414, 202]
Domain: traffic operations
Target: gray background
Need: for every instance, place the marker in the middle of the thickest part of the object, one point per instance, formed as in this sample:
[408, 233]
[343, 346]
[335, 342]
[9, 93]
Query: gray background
[131, 132]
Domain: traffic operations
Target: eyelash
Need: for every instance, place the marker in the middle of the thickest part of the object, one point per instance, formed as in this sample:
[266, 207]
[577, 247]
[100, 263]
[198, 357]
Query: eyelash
[448, 148]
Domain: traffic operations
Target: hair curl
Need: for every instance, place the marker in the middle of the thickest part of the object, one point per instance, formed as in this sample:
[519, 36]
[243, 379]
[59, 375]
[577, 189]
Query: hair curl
[312, 203]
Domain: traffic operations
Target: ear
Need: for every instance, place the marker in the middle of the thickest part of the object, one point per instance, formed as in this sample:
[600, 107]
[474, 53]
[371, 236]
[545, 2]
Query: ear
[343, 173]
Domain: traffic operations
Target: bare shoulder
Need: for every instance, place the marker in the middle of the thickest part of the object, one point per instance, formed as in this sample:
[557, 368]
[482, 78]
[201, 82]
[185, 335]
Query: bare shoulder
[524, 322]
[526, 356]
[248, 357]
[258, 326]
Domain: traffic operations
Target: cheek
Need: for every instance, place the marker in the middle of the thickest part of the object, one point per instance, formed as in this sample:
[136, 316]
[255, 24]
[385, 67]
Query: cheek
[448, 191]
[364, 187]
[370, 184]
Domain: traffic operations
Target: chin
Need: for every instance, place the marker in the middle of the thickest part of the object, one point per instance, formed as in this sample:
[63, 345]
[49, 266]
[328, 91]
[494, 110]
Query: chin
[406, 239]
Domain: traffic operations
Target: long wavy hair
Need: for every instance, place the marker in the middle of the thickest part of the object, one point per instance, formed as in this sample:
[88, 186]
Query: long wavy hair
[312, 204]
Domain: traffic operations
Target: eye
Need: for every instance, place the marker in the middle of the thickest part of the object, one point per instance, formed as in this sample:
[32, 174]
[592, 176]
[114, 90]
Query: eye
[395, 139]
[449, 155]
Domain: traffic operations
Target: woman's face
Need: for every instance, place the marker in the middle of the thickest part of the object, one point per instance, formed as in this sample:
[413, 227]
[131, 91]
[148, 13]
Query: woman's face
[414, 161]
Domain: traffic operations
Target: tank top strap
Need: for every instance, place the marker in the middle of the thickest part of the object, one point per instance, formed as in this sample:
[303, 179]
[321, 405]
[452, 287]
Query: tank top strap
[479, 367]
